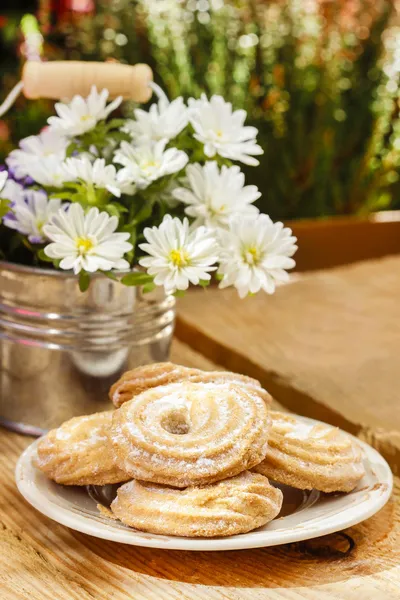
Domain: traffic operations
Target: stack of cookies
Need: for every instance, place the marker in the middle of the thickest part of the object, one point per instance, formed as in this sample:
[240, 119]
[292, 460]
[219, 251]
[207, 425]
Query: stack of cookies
[194, 452]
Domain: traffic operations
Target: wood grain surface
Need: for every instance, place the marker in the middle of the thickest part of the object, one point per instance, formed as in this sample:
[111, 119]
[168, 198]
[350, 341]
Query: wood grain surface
[327, 345]
[41, 560]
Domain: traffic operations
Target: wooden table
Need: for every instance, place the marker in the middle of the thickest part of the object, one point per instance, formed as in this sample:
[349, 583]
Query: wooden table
[299, 344]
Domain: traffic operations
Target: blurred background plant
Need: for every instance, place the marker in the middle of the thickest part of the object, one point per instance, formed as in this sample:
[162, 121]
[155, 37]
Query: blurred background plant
[20, 39]
[320, 80]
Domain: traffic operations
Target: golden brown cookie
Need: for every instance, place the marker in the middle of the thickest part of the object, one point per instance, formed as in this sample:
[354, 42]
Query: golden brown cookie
[80, 452]
[143, 378]
[308, 456]
[189, 433]
[229, 507]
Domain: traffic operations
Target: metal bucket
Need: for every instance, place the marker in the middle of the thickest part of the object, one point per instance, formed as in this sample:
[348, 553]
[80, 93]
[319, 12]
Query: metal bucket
[61, 349]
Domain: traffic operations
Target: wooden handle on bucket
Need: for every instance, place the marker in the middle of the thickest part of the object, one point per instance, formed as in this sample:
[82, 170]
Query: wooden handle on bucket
[64, 79]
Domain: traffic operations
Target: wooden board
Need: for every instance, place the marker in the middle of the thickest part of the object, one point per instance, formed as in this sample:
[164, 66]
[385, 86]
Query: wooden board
[41, 560]
[360, 239]
[326, 346]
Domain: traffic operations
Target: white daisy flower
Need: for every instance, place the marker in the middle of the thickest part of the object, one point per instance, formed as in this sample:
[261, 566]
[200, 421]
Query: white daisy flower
[48, 172]
[82, 114]
[30, 215]
[34, 149]
[147, 162]
[96, 174]
[213, 196]
[3, 179]
[10, 189]
[254, 254]
[86, 241]
[164, 120]
[178, 256]
[222, 130]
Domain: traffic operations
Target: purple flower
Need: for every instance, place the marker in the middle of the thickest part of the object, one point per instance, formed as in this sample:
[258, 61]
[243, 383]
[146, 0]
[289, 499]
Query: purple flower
[31, 214]
[35, 150]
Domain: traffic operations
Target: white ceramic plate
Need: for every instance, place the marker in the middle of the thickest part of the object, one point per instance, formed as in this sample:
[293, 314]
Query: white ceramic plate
[304, 515]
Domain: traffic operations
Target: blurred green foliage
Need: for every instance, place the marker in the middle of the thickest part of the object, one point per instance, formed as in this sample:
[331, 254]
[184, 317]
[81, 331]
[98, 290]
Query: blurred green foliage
[320, 80]
[25, 118]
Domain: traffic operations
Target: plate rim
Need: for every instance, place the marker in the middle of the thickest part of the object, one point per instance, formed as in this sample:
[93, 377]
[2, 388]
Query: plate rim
[87, 525]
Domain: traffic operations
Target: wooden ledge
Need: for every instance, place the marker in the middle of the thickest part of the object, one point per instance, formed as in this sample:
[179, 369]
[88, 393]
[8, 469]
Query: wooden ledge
[326, 243]
[326, 346]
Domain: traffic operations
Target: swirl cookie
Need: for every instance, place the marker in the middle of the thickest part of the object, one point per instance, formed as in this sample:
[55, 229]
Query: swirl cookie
[143, 378]
[80, 453]
[310, 456]
[188, 433]
[229, 507]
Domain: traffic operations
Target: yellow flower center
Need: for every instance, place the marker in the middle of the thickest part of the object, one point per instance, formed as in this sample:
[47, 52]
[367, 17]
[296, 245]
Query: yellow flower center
[39, 225]
[214, 211]
[180, 258]
[83, 245]
[85, 118]
[219, 133]
[251, 255]
[148, 165]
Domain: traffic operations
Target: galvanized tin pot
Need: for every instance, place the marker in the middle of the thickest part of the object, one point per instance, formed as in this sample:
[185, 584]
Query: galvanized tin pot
[61, 349]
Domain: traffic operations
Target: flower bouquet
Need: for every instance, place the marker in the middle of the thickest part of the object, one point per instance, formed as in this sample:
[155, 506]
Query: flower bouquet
[152, 200]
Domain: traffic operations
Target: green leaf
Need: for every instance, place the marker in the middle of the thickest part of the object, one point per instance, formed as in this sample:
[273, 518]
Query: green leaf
[76, 185]
[4, 207]
[42, 256]
[115, 209]
[144, 213]
[137, 278]
[62, 195]
[115, 124]
[119, 136]
[179, 293]
[71, 149]
[112, 210]
[149, 287]
[110, 275]
[204, 282]
[121, 207]
[84, 281]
